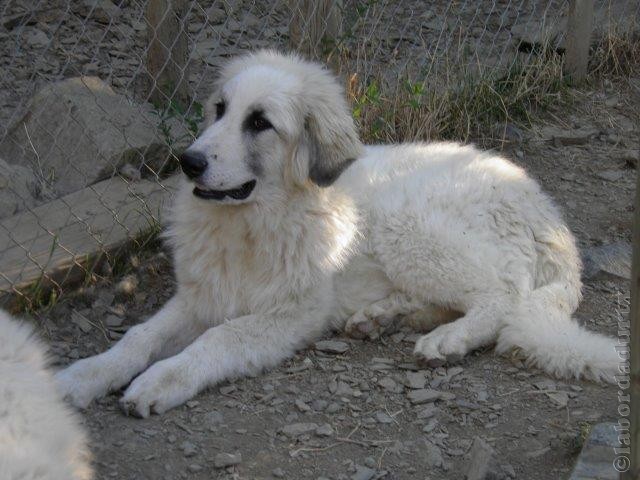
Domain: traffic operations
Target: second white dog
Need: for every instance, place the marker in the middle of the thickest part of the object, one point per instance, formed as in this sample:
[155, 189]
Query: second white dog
[289, 225]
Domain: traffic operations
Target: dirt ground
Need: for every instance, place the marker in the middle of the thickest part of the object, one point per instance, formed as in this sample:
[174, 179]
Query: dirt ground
[349, 415]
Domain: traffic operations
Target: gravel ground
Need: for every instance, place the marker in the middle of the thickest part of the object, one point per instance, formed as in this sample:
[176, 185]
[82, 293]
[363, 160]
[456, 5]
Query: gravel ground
[348, 409]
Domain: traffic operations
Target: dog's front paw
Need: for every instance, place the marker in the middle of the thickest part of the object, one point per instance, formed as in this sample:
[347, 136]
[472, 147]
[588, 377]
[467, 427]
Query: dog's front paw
[83, 381]
[447, 343]
[163, 386]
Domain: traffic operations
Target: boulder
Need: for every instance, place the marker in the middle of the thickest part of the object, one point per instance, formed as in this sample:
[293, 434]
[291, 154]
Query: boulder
[79, 131]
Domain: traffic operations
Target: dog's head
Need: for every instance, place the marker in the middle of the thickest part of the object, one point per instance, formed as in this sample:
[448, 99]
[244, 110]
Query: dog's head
[275, 122]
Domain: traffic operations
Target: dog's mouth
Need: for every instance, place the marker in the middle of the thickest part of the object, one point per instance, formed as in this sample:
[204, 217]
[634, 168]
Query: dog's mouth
[240, 193]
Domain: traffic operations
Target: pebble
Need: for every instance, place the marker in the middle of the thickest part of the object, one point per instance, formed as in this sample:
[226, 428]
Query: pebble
[297, 429]
[278, 473]
[384, 418]
[188, 449]
[112, 321]
[331, 346]
[482, 462]
[363, 473]
[224, 460]
[416, 380]
[425, 395]
[194, 468]
[300, 405]
[324, 430]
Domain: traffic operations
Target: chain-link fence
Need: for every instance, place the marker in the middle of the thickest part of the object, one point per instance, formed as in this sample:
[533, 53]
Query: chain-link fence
[98, 96]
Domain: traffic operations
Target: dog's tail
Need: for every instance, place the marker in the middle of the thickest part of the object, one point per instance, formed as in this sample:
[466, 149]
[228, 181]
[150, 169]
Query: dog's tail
[541, 328]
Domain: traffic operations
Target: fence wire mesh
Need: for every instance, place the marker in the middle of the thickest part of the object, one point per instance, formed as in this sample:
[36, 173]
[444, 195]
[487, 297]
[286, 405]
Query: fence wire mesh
[98, 97]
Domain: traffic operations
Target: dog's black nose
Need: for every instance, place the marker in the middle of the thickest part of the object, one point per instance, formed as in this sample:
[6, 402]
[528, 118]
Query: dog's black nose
[193, 163]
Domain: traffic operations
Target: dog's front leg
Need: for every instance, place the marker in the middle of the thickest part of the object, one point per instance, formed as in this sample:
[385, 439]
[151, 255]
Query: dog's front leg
[167, 332]
[242, 346]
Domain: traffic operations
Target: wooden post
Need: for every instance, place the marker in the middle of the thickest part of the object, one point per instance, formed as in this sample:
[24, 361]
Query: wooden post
[315, 26]
[167, 54]
[634, 318]
[578, 39]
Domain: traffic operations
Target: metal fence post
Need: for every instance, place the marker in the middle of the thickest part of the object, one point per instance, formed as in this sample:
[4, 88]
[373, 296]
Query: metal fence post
[315, 26]
[578, 40]
[168, 52]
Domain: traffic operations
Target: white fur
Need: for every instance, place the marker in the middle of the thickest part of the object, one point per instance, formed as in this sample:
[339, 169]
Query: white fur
[40, 439]
[405, 230]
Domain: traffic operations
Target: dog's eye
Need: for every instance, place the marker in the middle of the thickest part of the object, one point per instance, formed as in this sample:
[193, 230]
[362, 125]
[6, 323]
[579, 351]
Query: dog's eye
[257, 123]
[220, 109]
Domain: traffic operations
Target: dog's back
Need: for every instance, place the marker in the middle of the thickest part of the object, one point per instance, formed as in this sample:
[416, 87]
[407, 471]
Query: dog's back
[39, 437]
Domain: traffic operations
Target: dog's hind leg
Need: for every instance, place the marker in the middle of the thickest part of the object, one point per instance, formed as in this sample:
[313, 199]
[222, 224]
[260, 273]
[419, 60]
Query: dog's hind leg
[386, 315]
[164, 334]
[477, 328]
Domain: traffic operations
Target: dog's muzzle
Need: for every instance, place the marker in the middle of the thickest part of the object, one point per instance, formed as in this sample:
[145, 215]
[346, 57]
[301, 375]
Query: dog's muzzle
[240, 193]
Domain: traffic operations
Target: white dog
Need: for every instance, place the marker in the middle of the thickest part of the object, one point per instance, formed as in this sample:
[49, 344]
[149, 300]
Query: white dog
[289, 225]
[39, 437]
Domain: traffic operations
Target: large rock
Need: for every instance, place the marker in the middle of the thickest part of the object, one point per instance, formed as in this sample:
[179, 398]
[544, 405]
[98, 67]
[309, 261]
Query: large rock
[18, 188]
[79, 131]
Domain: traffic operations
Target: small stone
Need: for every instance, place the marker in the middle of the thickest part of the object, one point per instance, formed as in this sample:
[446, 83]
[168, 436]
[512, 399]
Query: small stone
[433, 455]
[482, 462]
[224, 460]
[363, 473]
[384, 418]
[212, 418]
[324, 430]
[416, 380]
[559, 398]
[194, 468]
[188, 449]
[130, 172]
[319, 405]
[425, 395]
[333, 407]
[428, 412]
[112, 321]
[277, 473]
[331, 346]
[388, 384]
[303, 407]
[611, 175]
[81, 321]
[297, 429]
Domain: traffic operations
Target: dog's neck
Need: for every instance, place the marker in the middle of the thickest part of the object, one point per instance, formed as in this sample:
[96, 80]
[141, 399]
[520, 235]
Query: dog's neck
[309, 221]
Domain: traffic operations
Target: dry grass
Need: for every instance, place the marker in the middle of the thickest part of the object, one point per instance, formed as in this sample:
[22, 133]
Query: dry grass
[478, 105]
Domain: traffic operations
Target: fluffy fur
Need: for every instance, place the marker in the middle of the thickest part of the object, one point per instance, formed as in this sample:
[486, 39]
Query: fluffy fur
[40, 439]
[417, 230]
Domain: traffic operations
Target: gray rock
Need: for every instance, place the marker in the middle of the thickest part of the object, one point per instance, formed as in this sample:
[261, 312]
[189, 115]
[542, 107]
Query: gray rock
[113, 321]
[561, 137]
[331, 346]
[296, 429]
[102, 11]
[611, 175]
[324, 430]
[416, 380]
[483, 463]
[384, 418]
[614, 259]
[277, 473]
[224, 460]
[79, 131]
[213, 418]
[188, 449]
[363, 473]
[424, 395]
[433, 455]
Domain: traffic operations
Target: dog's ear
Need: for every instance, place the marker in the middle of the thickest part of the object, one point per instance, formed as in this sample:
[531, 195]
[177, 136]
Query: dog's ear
[329, 141]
